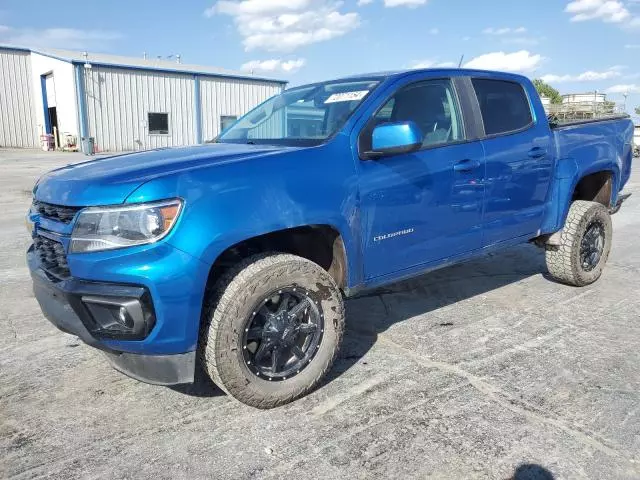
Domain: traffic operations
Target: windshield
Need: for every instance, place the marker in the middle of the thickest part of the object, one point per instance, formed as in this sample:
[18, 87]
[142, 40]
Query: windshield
[301, 116]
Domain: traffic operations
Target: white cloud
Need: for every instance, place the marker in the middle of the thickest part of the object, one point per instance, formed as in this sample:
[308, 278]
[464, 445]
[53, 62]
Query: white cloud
[588, 76]
[631, 88]
[504, 31]
[4, 28]
[58, 37]
[274, 65]
[361, 3]
[612, 11]
[256, 7]
[404, 3]
[512, 35]
[431, 64]
[522, 61]
[286, 25]
[528, 41]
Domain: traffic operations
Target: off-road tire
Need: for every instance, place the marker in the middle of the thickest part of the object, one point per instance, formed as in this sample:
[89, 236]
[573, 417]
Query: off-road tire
[563, 261]
[228, 308]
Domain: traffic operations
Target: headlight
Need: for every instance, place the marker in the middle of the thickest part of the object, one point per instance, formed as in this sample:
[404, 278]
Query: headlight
[106, 228]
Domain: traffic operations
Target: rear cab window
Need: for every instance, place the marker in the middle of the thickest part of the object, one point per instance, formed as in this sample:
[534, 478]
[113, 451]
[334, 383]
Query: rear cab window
[504, 106]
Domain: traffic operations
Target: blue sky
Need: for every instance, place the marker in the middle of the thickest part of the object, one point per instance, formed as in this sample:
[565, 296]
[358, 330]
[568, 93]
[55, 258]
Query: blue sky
[578, 46]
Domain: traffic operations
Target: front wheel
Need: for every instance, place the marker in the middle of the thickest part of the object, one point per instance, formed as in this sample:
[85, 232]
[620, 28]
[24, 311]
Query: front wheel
[584, 245]
[273, 331]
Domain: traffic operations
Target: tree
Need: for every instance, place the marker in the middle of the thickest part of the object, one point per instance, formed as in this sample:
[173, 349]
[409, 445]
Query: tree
[546, 90]
[637, 110]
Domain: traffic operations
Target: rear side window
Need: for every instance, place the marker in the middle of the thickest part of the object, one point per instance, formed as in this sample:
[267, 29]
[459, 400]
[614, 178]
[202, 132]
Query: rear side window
[504, 105]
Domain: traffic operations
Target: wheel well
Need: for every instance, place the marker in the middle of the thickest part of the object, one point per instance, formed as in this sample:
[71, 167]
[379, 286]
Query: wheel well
[596, 187]
[321, 244]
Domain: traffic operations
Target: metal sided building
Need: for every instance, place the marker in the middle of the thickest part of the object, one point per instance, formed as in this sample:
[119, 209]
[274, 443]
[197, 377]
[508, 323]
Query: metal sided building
[124, 103]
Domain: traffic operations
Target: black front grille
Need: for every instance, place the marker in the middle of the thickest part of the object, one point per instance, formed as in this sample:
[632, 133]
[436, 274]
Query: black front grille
[52, 256]
[55, 212]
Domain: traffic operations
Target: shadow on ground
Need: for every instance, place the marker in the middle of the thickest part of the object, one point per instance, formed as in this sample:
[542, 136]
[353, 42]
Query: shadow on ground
[429, 293]
[419, 296]
[202, 386]
[530, 471]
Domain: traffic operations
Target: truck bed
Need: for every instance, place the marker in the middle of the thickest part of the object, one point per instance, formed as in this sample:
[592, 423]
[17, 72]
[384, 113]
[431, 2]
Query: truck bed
[596, 145]
[555, 123]
[584, 148]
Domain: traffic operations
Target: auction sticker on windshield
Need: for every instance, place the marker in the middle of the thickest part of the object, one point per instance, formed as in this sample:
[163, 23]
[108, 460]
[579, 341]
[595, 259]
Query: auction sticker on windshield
[347, 96]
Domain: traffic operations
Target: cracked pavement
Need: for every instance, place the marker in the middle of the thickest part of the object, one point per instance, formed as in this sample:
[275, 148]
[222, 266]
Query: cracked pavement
[481, 370]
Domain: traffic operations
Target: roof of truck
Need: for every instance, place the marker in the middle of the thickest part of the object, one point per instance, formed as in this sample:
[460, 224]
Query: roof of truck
[445, 72]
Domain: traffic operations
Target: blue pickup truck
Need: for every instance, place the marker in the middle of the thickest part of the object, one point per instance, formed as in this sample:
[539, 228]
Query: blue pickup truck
[236, 256]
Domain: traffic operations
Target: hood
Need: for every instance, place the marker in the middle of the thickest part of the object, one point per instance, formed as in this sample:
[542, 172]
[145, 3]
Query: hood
[108, 181]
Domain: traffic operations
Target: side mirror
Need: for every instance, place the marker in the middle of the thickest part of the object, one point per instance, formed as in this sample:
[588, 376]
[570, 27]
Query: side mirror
[394, 139]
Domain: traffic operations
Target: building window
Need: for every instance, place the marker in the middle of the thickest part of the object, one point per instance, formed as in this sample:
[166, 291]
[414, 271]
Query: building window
[158, 123]
[226, 121]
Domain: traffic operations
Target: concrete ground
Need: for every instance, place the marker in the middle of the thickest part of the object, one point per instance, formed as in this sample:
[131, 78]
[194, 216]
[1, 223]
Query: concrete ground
[483, 370]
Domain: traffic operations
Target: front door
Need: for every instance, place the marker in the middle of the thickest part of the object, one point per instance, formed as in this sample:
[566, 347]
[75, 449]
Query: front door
[426, 206]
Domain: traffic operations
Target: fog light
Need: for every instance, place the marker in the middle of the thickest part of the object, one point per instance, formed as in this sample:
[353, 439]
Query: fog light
[124, 318]
[120, 317]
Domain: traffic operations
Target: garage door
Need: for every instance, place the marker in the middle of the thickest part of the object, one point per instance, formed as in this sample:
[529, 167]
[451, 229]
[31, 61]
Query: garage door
[17, 119]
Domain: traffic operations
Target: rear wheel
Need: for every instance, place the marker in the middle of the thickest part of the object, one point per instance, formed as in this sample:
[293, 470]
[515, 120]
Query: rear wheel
[273, 330]
[584, 246]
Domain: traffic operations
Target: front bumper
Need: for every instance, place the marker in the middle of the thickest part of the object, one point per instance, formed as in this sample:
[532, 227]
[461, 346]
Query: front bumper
[155, 369]
[159, 357]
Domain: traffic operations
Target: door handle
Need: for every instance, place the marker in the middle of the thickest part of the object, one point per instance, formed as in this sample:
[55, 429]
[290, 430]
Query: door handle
[537, 152]
[466, 165]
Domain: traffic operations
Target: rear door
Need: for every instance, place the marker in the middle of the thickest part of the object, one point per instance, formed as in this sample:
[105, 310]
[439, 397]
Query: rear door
[519, 160]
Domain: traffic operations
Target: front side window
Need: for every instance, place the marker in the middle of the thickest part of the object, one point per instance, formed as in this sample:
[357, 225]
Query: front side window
[226, 121]
[301, 116]
[158, 123]
[504, 105]
[431, 105]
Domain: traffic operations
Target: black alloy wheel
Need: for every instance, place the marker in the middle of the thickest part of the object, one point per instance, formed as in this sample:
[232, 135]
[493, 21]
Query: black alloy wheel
[584, 247]
[283, 334]
[272, 330]
[592, 246]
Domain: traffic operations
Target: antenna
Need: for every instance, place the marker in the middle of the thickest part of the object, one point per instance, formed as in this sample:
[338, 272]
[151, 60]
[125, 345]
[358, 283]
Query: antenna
[461, 60]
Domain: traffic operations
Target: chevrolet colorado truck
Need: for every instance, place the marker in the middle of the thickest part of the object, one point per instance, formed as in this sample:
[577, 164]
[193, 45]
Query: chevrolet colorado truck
[236, 256]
